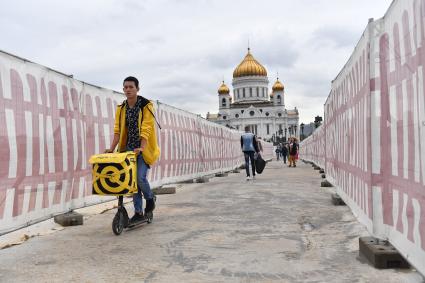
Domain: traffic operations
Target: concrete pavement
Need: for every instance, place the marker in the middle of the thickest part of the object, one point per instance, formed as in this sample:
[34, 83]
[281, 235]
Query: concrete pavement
[282, 227]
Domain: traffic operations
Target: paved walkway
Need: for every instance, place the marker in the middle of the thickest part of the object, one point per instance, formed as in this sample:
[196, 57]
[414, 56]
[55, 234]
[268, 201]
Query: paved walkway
[281, 227]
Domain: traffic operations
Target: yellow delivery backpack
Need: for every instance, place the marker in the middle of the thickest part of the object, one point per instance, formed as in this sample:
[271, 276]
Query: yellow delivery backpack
[114, 173]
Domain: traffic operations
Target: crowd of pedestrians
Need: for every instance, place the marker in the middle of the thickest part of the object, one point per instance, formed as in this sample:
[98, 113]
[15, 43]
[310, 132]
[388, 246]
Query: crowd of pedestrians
[288, 151]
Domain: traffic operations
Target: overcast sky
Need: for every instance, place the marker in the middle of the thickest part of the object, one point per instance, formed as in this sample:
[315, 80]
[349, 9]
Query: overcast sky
[182, 50]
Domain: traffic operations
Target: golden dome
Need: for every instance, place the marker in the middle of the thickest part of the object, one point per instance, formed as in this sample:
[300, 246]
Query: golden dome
[249, 67]
[223, 89]
[278, 86]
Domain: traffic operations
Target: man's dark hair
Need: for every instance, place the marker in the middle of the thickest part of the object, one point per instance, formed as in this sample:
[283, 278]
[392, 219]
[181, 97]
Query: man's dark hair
[132, 79]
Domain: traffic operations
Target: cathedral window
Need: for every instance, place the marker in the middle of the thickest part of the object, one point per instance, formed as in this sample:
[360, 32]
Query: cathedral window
[237, 116]
[251, 113]
[267, 114]
[279, 99]
[250, 92]
[242, 111]
[243, 92]
[268, 129]
[223, 102]
[262, 91]
[224, 117]
[258, 91]
[279, 114]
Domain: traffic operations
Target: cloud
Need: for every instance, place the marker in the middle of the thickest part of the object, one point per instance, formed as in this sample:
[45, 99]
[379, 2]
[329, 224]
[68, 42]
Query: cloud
[182, 50]
[338, 37]
[278, 50]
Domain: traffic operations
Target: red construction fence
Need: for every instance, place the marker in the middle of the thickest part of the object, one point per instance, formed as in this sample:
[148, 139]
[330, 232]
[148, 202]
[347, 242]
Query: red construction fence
[372, 142]
[51, 124]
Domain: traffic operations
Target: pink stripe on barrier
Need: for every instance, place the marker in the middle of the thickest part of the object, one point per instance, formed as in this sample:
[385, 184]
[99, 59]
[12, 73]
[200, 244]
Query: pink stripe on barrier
[4, 151]
[20, 128]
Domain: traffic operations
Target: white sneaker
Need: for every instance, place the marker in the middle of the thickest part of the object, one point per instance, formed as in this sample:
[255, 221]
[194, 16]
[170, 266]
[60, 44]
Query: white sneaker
[247, 178]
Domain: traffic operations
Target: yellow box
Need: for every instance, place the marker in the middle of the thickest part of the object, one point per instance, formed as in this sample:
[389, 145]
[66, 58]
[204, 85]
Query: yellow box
[114, 173]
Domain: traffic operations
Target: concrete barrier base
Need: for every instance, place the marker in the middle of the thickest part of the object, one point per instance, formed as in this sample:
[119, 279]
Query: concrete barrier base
[224, 174]
[164, 190]
[337, 200]
[71, 218]
[325, 183]
[236, 171]
[202, 180]
[381, 253]
[190, 181]
[321, 171]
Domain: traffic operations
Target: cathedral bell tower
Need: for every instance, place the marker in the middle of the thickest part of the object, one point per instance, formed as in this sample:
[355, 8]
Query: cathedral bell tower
[278, 92]
[224, 98]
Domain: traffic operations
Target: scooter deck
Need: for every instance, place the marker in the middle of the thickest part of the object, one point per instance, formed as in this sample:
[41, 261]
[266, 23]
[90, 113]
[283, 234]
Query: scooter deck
[136, 224]
[148, 219]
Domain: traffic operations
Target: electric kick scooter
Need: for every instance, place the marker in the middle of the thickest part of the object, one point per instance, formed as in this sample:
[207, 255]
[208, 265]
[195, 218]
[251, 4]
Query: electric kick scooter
[121, 219]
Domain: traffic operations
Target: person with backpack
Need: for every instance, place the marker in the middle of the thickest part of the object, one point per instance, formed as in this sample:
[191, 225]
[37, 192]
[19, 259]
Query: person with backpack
[249, 147]
[134, 130]
[293, 152]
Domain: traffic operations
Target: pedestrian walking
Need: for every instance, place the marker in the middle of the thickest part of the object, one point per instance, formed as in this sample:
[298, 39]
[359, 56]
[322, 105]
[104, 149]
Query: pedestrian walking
[293, 152]
[249, 147]
[284, 152]
[277, 151]
[260, 146]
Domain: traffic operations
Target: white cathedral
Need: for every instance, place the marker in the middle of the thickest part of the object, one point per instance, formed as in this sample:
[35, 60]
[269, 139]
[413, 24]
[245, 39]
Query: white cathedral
[252, 106]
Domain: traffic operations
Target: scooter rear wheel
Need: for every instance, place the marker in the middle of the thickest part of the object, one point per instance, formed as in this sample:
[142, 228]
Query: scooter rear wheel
[118, 223]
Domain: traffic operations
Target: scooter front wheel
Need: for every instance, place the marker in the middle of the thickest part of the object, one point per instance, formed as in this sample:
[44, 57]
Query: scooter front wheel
[118, 223]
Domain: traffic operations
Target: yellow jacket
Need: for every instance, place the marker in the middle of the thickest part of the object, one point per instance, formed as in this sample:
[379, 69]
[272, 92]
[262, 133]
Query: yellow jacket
[146, 130]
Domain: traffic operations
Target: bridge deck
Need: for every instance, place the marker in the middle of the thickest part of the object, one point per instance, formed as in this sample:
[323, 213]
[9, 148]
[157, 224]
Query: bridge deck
[281, 227]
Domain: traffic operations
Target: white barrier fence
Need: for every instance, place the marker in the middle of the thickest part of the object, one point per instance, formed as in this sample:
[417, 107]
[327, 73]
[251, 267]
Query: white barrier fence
[52, 124]
[374, 130]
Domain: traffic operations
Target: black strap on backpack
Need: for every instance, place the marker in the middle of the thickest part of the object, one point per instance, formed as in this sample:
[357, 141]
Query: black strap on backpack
[144, 103]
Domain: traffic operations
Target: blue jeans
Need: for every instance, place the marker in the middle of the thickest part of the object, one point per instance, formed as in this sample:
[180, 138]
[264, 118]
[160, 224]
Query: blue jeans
[249, 155]
[142, 185]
